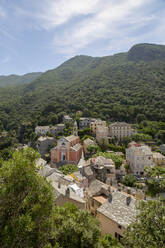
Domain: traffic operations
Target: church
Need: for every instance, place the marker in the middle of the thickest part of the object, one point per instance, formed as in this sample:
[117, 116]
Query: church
[68, 149]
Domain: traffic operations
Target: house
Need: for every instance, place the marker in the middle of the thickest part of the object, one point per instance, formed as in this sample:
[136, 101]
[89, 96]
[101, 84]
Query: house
[68, 150]
[117, 213]
[60, 128]
[104, 170]
[88, 142]
[120, 130]
[96, 194]
[159, 159]
[67, 118]
[84, 122]
[102, 133]
[138, 156]
[71, 193]
[94, 124]
[162, 148]
[44, 143]
[42, 130]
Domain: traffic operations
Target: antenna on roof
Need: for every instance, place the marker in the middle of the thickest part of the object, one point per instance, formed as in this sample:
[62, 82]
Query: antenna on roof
[67, 192]
[128, 200]
[110, 198]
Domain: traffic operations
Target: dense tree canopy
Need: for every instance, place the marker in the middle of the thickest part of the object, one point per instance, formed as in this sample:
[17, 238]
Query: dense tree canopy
[26, 203]
[149, 227]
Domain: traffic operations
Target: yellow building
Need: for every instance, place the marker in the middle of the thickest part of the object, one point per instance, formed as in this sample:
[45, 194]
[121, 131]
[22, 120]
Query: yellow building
[159, 159]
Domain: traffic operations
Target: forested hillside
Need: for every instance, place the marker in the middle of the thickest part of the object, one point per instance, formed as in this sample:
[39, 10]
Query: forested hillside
[12, 80]
[126, 87]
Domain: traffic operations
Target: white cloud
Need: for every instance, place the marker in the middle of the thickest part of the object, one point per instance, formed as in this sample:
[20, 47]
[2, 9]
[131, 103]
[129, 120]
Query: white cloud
[2, 12]
[58, 12]
[6, 60]
[112, 20]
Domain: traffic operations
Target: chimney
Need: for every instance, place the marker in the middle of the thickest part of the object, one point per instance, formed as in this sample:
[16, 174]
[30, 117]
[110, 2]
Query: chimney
[128, 200]
[59, 185]
[110, 198]
[67, 192]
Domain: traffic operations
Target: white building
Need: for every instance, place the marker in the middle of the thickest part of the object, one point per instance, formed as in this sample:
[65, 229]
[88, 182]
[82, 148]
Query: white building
[138, 157]
[41, 130]
[120, 130]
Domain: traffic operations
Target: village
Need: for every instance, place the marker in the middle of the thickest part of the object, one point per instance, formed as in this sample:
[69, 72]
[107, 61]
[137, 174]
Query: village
[84, 170]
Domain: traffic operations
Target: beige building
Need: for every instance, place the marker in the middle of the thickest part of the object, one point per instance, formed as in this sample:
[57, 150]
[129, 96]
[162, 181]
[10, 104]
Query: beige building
[96, 194]
[138, 157]
[116, 213]
[95, 124]
[120, 130]
[159, 159]
[88, 142]
[102, 133]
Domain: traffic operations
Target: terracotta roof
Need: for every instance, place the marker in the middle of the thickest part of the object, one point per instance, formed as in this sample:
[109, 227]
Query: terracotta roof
[101, 199]
[76, 147]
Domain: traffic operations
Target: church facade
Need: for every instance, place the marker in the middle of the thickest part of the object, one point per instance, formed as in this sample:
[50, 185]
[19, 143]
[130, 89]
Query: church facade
[68, 149]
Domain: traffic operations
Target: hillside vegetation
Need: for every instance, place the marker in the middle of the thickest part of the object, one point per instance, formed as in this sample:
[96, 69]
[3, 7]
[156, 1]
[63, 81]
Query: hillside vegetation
[12, 80]
[126, 87]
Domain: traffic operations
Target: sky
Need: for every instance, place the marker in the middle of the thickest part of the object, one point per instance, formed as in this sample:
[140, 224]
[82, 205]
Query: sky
[38, 35]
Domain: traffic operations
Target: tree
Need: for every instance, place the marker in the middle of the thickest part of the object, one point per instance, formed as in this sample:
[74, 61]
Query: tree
[149, 228]
[75, 228]
[155, 180]
[129, 180]
[68, 169]
[26, 203]
[107, 241]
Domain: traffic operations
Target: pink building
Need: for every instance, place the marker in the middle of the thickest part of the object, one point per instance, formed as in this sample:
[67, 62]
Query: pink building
[68, 150]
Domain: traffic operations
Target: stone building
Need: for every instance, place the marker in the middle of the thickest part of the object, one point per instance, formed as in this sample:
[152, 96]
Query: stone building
[67, 118]
[102, 133]
[162, 148]
[139, 156]
[159, 159]
[42, 130]
[43, 144]
[96, 194]
[88, 142]
[95, 124]
[117, 213]
[120, 130]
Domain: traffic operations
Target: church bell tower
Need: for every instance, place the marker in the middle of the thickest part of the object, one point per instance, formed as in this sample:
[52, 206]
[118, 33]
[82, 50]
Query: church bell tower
[75, 129]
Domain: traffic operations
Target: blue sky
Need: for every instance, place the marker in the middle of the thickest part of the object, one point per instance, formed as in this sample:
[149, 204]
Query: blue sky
[37, 35]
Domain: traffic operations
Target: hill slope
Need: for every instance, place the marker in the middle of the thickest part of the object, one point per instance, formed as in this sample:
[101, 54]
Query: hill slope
[126, 87]
[12, 80]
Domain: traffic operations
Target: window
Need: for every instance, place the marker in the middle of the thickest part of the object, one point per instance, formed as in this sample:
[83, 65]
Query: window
[120, 227]
[118, 236]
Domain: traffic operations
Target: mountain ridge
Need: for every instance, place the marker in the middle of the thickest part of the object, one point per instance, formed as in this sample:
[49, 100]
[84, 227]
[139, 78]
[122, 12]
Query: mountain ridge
[14, 79]
[110, 87]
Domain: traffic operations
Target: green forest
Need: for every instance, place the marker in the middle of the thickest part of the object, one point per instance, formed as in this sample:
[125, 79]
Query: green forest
[125, 87]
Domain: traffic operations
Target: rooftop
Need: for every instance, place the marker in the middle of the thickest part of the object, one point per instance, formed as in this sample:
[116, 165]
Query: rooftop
[76, 147]
[100, 198]
[45, 138]
[121, 209]
[71, 138]
[89, 142]
[96, 187]
[121, 124]
[158, 155]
